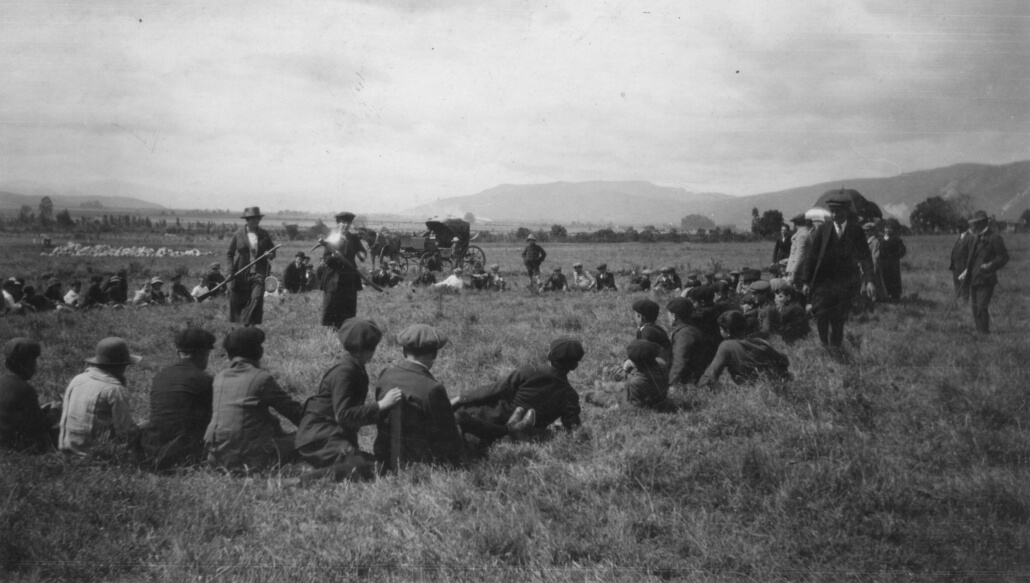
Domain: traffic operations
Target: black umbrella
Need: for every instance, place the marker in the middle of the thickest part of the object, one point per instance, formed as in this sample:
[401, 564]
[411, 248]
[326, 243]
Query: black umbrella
[865, 209]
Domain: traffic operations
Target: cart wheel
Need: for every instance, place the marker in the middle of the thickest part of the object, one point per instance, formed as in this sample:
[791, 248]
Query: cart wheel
[385, 254]
[472, 256]
[432, 261]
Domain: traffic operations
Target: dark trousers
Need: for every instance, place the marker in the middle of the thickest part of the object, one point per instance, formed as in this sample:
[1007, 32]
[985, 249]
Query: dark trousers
[247, 300]
[486, 423]
[338, 306]
[831, 304]
[337, 459]
[980, 300]
[892, 279]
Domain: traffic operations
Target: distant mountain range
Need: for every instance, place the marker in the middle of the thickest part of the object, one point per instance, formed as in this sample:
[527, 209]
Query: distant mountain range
[1003, 191]
[564, 202]
[110, 194]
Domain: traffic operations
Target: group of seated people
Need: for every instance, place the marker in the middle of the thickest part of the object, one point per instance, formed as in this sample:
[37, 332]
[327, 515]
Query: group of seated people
[479, 279]
[227, 420]
[581, 280]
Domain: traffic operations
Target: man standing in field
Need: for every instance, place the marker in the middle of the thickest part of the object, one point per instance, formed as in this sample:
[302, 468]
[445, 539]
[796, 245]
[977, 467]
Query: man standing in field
[247, 290]
[959, 259]
[838, 268]
[341, 281]
[892, 250]
[986, 256]
[533, 255]
[798, 248]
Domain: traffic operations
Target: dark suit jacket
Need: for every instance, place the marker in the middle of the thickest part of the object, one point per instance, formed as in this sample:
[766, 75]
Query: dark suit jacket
[960, 252]
[544, 389]
[180, 410]
[338, 409]
[239, 251]
[988, 249]
[338, 274]
[428, 428]
[837, 260]
[782, 248]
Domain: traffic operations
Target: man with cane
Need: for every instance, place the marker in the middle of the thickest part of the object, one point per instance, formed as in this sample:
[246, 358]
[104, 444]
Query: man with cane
[250, 248]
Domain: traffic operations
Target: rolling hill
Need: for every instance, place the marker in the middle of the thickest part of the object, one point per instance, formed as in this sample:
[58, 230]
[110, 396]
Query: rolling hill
[110, 194]
[566, 202]
[1003, 191]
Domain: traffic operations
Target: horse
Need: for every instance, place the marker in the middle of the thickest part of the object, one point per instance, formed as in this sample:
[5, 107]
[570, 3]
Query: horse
[379, 240]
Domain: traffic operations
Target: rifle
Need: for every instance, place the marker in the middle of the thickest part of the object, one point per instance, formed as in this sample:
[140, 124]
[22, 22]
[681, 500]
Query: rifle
[364, 276]
[205, 296]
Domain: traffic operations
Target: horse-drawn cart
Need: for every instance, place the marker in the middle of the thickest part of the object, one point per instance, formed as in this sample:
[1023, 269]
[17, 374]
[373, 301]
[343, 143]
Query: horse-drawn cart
[445, 244]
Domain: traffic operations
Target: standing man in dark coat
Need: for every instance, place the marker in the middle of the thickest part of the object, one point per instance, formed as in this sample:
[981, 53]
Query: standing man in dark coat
[24, 425]
[782, 248]
[429, 432]
[960, 259]
[838, 268]
[327, 437]
[294, 274]
[986, 256]
[247, 290]
[892, 250]
[533, 255]
[180, 404]
[341, 280]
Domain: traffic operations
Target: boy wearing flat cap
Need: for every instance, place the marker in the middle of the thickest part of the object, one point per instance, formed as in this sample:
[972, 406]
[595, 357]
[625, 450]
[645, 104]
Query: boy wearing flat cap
[528, 400]
[646, 312]
[180, 404]
[327, 436]
[532, 256]
[96, 403]
[243, 432]
[746, 359]
[604, 280]
[692, 348]
[24, 425]
[646, 386]
[764, 318]
[428, 430]
[556, 281]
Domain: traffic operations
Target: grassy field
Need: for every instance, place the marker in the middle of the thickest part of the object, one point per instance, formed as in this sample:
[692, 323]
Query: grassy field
[906, 461]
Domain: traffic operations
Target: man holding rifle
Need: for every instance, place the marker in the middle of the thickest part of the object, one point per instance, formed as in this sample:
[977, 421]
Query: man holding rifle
[251, 244]
[341, 280]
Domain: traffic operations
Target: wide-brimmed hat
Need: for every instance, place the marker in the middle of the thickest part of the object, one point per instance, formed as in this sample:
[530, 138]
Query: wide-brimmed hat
[977, 217]
[113, 351]
[531, 238]
[345, 217]
[301, 255]
[252, 212]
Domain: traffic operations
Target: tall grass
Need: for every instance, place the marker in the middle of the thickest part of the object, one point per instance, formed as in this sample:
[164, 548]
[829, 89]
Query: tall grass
[908, 460]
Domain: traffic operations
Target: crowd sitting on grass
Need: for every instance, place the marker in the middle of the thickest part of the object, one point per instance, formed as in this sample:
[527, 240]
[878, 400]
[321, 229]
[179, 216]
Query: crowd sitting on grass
[226, 421]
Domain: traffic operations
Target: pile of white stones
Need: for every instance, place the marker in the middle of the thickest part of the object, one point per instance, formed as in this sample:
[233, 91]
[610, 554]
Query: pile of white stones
[75, 249]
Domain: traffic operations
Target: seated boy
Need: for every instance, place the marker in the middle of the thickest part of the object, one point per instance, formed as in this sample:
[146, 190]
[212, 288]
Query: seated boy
[646, 384]
[746, 359]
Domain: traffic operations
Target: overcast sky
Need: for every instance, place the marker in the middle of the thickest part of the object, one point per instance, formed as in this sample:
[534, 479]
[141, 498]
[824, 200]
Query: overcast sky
[372, 106]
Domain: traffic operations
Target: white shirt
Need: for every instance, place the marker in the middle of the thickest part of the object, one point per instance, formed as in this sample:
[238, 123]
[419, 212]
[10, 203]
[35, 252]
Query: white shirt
[199, 290]
[252, 237]
[71, 298]
[840, 228]
[452, 281]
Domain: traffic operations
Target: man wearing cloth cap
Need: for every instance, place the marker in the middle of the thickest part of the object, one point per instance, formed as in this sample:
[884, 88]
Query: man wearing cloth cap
[669, 280]
[96, 402]
[838, 268]
[646, 386]
[781, 250]
[582, 280]
[496, 281]
[640, 281]
[987, 255]
[341, 281]
[180, 404]
[243, 432]
[533, 255]
[556, 281]
[480, 279]
[764, 319]
[605, 280]
[179, 293]
[24, 425]
[529, 399]
[294, 274]
[247, 290]
[428, 430]
[798, 247]
[645, 312]
[327, 436]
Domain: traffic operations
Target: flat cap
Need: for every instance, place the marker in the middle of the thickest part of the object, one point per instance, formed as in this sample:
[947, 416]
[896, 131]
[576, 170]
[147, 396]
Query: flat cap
[359, 335]
[244, 339]
[19, 350]
[798, 218]
[760, 286]
[531, 238]
[721, 286]
[646, 272]
[193, 338]
[156, 281]
[665, 268]
[735, 272]
[578, 264]
[869, 226]
[778, 283]
[345, 217]
[643, 352]
[557, 268]
[420, 337]
[838, 199]
[602, 267]
[977, 217]
[692, 281]
[495, 267]
[649, 309]
[681, 308]
[565, 349]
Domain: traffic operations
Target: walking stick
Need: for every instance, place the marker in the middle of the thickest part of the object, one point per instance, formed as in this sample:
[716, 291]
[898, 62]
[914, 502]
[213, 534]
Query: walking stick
[205, 296]
[954, 301]
[396, 437]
